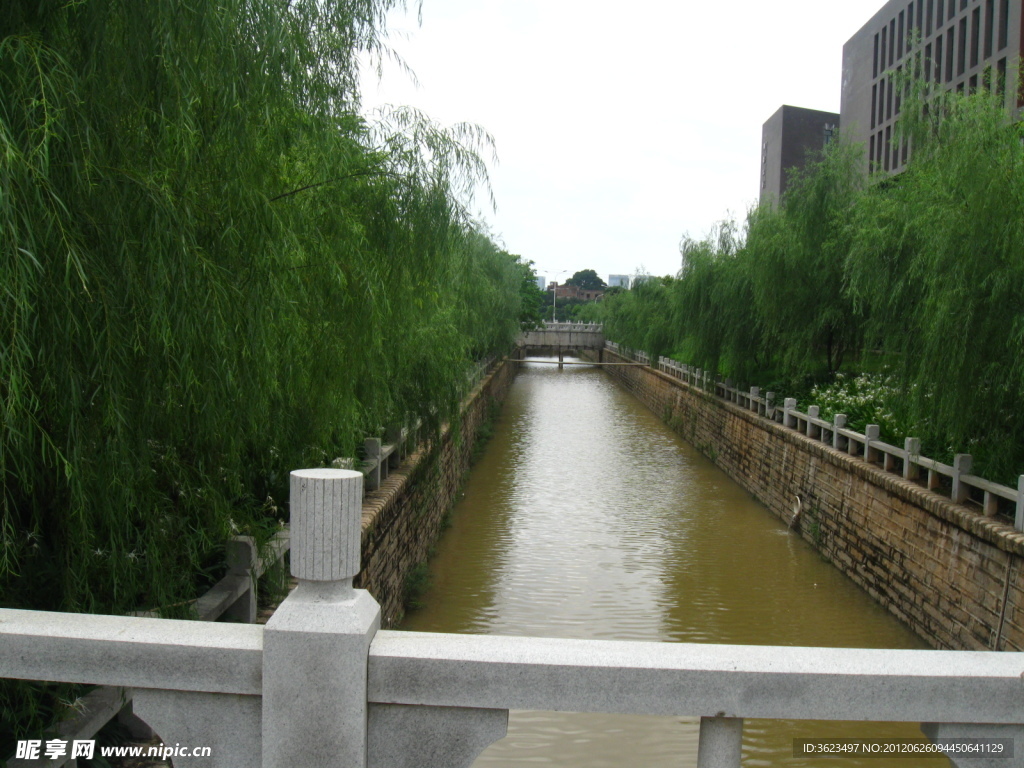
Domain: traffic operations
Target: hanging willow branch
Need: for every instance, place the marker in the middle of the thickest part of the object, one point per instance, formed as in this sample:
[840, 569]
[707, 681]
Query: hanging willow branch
[167, 354]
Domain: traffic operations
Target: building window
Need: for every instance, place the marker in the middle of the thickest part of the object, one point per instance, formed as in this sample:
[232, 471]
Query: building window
[882, 59]
[990, 9]
[950, 39]
[874, 105]
[938, 59]
[1001, 77]
[888, 134]
[961, 48]
[874, 64]
[871, 154]
[1004, 13]
[899, 37]
[975, 35]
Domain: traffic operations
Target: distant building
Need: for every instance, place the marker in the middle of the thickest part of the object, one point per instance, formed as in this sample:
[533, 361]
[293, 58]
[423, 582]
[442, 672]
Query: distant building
[542, 282]
[951, 43]
[618, 281]
[788, 138]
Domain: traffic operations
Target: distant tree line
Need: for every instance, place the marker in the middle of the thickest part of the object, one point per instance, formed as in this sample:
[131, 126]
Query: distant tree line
[919, 278]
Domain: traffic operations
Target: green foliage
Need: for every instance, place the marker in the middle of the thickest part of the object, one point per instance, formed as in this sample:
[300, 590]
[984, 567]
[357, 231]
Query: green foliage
[587, 279]
[865, 399]
[715, 309]
[923, 271]
[417, 583]
[214, 271]
[795, 256]
[940, 268]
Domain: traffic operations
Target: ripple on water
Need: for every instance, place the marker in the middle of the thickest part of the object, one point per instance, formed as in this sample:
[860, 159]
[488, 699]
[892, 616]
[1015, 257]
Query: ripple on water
[586, 517]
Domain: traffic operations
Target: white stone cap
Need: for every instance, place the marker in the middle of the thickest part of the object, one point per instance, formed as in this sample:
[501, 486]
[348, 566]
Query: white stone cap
[326, 510]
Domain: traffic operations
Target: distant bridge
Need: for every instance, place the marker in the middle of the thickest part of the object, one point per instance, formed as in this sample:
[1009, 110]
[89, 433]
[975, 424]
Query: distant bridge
[562, 338]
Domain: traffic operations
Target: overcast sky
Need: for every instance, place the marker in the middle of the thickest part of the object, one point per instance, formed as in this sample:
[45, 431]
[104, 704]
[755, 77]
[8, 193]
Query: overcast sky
[617, 133]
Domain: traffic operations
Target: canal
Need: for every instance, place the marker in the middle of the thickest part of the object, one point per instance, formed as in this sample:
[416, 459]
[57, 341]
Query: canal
[587, 517]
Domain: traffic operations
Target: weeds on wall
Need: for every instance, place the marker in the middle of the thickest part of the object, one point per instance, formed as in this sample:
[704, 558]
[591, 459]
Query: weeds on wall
[417, 582]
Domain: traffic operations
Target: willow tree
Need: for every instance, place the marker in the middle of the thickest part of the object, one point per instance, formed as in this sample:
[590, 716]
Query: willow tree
[939, 260]
[214, 271]
[797, 254]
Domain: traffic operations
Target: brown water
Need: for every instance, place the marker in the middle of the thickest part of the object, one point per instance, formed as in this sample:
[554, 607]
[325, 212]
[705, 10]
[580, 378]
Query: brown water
[588, 518]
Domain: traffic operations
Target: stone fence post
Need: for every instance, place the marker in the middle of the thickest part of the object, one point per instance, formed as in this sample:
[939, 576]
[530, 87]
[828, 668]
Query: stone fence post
[961, 466]
[789, 405]
[316, 645]
[838, 422]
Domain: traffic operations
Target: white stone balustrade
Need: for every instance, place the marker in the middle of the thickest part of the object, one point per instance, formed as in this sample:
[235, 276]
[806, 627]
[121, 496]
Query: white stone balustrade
[322, 685]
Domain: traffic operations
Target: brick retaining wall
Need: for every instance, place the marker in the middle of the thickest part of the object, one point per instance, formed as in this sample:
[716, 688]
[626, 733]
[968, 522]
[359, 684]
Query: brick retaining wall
[951, 574]
[404, 517]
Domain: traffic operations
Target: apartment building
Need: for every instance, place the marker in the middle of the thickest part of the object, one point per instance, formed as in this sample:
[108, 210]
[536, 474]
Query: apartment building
[788, 139]
[955, 44]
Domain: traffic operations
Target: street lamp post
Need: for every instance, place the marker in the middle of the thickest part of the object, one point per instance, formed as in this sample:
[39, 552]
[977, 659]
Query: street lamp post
[554, 292]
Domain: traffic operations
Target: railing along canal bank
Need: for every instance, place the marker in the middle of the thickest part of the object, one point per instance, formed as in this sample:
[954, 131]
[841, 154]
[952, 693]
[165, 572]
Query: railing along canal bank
[234, 597]
[322, 685]
[955, 481]
[950, 572]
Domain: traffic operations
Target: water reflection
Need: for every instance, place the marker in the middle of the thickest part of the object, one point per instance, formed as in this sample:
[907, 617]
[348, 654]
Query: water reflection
[587, 517]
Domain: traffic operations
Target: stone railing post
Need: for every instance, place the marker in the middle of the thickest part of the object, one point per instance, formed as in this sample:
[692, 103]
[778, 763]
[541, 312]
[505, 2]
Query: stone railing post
[961, 466]
[755, 392]
[813, 430]
[316, 645]
[720, 743]
[1018, 518]
[911, 449]
[788, 419]
[871, 434]
[372, 447]
[241, 557]
[838, 422]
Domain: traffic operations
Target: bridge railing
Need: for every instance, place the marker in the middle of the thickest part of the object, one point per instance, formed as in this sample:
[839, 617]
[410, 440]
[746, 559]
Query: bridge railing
[576, 327]
[954, 481]
[320, 685]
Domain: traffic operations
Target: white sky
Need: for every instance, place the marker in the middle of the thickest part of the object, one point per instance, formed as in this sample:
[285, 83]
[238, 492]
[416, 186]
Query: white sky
[617, 132]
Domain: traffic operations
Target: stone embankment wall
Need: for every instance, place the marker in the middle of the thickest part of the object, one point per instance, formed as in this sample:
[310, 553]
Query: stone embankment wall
[403, 518]
[950, 573]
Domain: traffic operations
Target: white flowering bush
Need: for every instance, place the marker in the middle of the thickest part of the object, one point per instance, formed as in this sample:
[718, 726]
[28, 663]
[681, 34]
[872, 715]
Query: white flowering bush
[868, 398]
